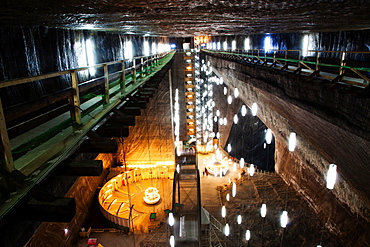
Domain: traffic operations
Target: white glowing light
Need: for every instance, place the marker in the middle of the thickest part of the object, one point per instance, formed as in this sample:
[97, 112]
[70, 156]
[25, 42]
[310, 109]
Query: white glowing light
[172, 241]
[178, 168]
[218, 135]
[268, 136]
[221, 121]
[247, 44]
[229, 99]
[251, 170]
[65, 231]
[225, 121]
[227, 229]
[247, 235]
[233, 45]
[225, 90]
[234, 167]
[244, 110]
[225, 45]
[215, 119]
[228, 148]
[223, 211]
[90, 56]
[236, 92]
[254, 109]
[268, 44]
[218, 113]
[263, 210]
[171, 219]
[228, 197]
[146, 48]
[234, 189]
[128, 50]
[236, 119]
[292, 141]
[241, 162]
[284, 219]
[239, 219]
[154, 48]
[331, 176]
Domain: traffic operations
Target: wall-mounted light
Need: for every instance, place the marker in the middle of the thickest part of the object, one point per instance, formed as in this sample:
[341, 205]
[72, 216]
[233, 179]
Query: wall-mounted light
[236, 93]
[234, 189]
[228, 148]
[171, 219]
[244, 110]
[225, 90]
[331, 176]
[236, 119]
[229, 99]
[251, 170]
[172, 241]
[239, 219]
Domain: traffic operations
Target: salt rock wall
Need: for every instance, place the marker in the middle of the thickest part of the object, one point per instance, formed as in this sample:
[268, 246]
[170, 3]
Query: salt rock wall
[331, 126]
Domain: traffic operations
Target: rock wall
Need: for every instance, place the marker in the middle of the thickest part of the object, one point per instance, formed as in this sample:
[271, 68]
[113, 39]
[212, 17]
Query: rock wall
[331, 126]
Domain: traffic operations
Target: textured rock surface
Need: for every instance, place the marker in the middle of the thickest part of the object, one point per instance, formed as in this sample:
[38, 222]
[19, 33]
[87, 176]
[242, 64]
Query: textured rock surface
[189, 18]
[328, 131]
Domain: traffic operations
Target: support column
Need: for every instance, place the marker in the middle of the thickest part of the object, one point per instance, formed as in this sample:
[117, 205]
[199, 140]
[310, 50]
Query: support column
[76, 110]
[106, 84]
[5, 149]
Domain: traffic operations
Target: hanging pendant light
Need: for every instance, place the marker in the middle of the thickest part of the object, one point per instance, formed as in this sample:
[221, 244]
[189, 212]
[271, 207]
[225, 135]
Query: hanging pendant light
[241, 162]
[254, 109]
[234, 189]
[172, 241]
[244, 110]
[223, 211]
[236, 93]
[236, 119]
[251, 170]
[247, 235]
[229, 99]
[225, 90]
[268, 136]
[284, 219]
[239, 219]
[228, 148]
[171, 219]
[263, 210]
[227, 229]
[228, 197]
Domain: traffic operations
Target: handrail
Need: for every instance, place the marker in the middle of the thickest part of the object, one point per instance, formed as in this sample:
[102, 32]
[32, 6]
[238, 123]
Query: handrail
[65, 138]
[354, 75]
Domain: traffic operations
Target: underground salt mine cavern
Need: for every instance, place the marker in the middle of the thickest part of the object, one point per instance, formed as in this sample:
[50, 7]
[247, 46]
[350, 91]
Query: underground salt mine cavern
[185, 123]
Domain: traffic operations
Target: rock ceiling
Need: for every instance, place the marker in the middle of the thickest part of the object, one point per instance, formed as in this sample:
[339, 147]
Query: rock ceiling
[184, 18]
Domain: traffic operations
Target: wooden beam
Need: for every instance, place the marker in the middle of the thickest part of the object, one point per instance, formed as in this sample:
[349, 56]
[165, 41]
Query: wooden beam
[81, 168]
[5, 149]
[106, 146]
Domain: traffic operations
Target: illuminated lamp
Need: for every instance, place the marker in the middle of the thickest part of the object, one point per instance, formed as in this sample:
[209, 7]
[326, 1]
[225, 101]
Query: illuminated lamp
[251, 170]
[236, 119]
[223, 211]
[263, 210]
[244, 110]
[221, 121]
[228, 197]
[241, 162]
[228, 148]
[225, 121]
[239, 219]
[215, 119]
[254, 109]
[171, 219]
[172, 241]
[227, 229]
[229, 99]
[331, 176]
[284, 219]
[292, 141]
[225, 90]
[236, 92]
[178, 168]
[218, 135]
[234, 189]
[247, 235]
[218, 113]
[268, 136]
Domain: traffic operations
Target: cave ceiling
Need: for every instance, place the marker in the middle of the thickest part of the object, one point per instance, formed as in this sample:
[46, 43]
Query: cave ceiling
[190, 18]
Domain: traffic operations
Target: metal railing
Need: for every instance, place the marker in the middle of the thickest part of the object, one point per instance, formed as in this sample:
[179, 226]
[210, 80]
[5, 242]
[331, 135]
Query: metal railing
[337, 66]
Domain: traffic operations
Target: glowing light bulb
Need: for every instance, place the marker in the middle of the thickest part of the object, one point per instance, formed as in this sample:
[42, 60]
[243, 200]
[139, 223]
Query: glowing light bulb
[171, 219]
[284, 219]
[244, 110]
[241, 162]
[251, 170]
[227, 229]
[239, 219]
[263, 210]
[331, 176]
[228, 197]
[234, 189]
[228, 148]
[292, 141]
[172, 241]
[254, 109]
[247, 235]
[223, 211]
[229, 99]
[236, 119]
[268, 136]
[225, 90]
[236, 92]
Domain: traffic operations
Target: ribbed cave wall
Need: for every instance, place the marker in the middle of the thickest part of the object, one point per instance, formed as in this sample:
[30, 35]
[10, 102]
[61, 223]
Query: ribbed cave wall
[289, 103]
